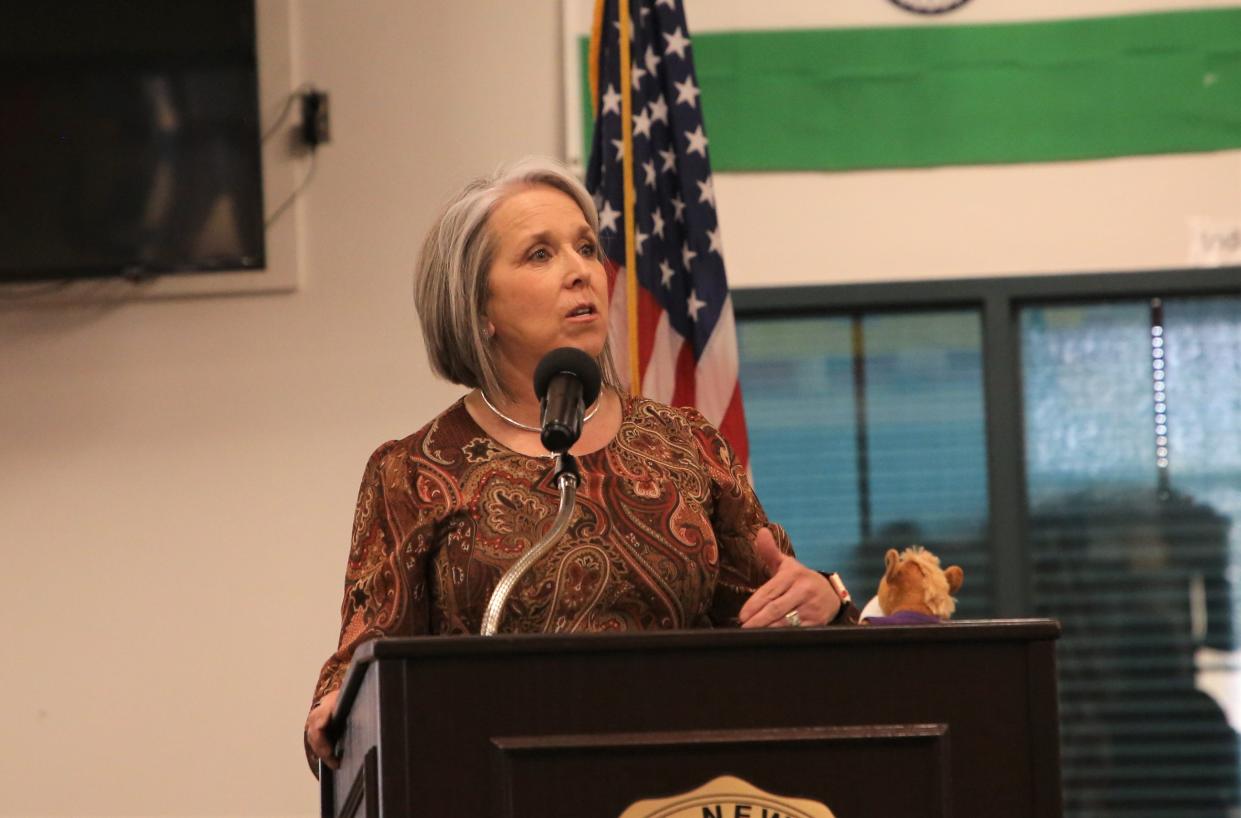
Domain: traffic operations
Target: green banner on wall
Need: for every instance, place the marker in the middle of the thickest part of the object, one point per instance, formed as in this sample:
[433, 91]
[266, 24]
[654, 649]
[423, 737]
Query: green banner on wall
[855, 98]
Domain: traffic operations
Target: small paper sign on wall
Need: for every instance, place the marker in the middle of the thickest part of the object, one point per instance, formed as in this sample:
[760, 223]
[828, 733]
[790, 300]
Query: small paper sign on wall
[727, 797]
[1214, 243]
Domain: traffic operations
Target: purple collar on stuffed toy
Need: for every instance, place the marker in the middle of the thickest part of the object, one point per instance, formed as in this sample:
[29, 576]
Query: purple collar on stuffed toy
[905, 618]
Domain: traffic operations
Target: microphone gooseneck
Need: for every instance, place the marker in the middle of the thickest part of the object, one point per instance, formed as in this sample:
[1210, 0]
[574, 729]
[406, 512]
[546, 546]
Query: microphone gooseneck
[566, 478]
[565, 381]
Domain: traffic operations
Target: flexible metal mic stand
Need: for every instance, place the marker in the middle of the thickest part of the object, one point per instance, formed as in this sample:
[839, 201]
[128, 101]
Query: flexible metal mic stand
[566, 477]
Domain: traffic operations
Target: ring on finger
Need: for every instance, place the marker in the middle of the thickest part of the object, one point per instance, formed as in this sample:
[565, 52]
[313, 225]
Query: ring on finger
[793, 618]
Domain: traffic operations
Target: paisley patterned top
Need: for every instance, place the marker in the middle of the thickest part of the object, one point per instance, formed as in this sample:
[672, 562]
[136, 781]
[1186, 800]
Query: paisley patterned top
[661, 536]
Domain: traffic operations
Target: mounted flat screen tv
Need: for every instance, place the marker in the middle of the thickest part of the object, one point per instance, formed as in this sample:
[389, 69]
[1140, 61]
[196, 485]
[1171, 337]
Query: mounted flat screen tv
[129, 139]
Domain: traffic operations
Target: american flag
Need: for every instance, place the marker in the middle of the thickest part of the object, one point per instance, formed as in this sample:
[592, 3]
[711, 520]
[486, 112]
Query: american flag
[670, 298]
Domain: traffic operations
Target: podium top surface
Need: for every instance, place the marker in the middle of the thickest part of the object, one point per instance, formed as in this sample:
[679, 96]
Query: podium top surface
[979, 630]
[649, 643]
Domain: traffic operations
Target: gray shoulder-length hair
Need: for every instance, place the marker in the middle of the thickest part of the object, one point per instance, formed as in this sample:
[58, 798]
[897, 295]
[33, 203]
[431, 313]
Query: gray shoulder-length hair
[450, 281]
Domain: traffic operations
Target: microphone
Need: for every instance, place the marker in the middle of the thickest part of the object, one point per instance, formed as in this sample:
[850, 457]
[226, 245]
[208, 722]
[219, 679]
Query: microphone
[566, 381]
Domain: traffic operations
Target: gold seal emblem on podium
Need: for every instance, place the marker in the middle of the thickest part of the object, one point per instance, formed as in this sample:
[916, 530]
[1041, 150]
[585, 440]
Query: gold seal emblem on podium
[727, 797]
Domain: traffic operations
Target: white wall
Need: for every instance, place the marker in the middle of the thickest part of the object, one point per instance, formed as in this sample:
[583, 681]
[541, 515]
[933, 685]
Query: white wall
[178, 475]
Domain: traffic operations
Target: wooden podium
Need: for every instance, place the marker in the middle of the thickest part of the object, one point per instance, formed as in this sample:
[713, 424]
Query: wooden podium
[892, 722]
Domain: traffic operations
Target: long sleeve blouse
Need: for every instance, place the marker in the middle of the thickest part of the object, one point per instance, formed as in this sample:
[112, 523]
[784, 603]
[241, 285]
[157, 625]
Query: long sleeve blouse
[661, 536]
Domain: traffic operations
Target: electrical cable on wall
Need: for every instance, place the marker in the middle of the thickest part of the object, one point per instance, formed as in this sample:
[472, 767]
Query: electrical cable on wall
[313, 132]
[297, 191]
[293, 97]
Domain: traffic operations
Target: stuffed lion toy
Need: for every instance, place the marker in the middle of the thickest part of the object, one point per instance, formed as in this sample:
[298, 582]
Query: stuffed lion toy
[914, 589]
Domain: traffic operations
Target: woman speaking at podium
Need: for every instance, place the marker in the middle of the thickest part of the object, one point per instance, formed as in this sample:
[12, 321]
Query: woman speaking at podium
[666, 530]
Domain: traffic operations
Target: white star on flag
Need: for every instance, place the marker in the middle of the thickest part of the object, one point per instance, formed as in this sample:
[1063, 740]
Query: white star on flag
[649, 168]
[665, 274]
[670, 160]
[638, 74]
[611, 101]
[695, 305]
[676, 43]
[620, 149]
[638, 238]
[713, 236]
[659, 110]
[687, 255]
[706, 191]
[697, 142]
[659, 223]
[679, 207]
[608, 217]
[652, 61]
[642, 124]
[687, 92]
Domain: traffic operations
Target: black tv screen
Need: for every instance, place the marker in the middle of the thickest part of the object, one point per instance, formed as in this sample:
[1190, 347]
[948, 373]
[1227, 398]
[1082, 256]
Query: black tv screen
[129, 138]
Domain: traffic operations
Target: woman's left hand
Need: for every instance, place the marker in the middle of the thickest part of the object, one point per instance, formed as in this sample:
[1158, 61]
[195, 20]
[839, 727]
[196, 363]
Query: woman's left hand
[794, 594]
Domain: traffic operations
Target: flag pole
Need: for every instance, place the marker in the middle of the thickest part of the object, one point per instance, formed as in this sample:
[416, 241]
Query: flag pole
[596, 43]
[631, 256]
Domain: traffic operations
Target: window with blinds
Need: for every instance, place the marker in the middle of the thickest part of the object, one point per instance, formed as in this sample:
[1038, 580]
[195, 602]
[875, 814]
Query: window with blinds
[1133, 457]
[867, 432]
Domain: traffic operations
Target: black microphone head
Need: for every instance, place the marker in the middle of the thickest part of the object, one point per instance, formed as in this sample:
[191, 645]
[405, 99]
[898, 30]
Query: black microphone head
[574, 362]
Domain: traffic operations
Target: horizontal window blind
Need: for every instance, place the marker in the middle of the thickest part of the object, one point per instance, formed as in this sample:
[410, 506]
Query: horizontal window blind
[1133, 453]
[867, 432]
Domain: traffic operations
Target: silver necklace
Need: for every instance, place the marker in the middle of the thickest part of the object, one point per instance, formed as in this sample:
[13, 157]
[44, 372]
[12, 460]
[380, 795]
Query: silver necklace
[520, 425]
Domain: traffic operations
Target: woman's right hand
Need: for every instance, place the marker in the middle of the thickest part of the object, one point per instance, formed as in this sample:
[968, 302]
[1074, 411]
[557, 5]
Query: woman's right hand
[316, 725]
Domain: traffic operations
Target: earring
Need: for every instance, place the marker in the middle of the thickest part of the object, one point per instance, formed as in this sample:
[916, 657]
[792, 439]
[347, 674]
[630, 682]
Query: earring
[489, 332]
